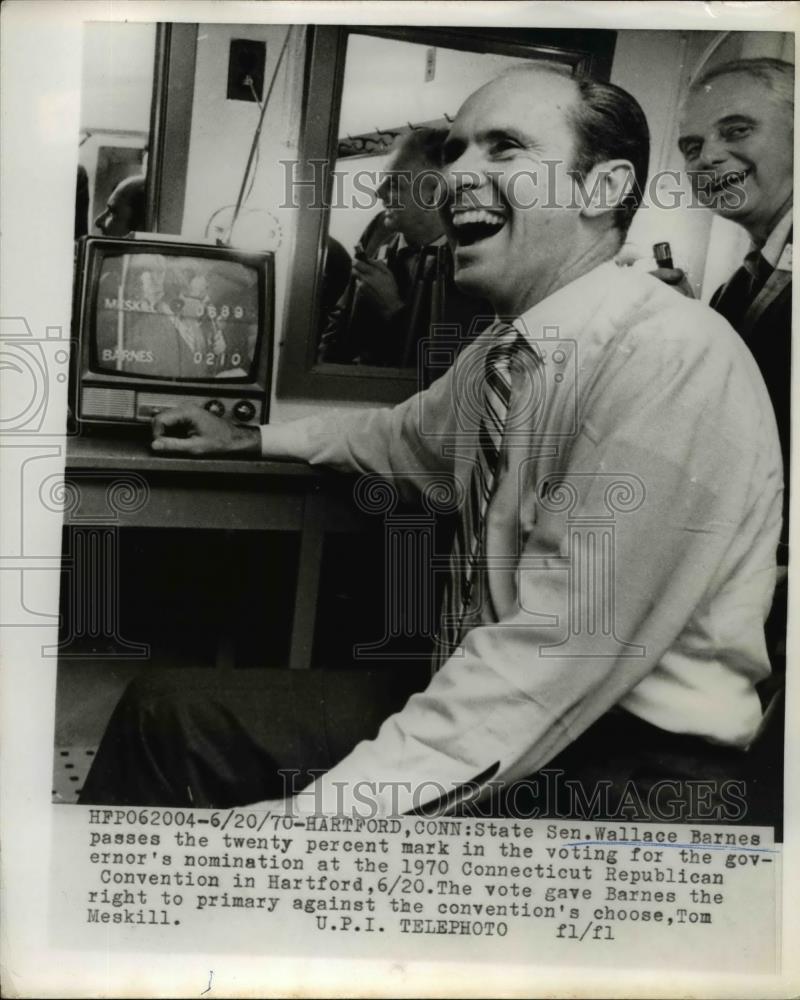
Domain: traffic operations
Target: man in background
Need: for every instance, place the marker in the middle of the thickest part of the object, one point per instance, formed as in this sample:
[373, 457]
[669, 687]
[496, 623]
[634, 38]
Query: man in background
[125, 209]
[737, 139]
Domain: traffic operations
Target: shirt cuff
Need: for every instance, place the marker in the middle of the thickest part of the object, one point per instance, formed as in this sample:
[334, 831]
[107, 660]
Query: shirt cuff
[296, 439]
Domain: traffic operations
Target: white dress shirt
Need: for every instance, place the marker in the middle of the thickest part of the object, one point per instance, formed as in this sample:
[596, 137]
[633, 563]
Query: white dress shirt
[775, 246]
[650, 460]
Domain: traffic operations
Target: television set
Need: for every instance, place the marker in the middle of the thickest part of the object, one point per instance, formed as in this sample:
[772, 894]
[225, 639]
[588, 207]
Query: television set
[161, 322]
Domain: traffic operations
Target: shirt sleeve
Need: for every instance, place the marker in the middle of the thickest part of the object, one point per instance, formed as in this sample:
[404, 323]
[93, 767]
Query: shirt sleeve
[406, 444]
[680, 435]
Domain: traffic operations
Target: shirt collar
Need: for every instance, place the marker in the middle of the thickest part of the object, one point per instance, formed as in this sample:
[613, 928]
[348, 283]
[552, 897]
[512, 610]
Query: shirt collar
[772, 250]
[563, 303]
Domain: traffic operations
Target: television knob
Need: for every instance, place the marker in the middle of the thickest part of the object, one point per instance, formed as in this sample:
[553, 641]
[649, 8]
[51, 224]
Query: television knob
[216, 406]
[244, 410]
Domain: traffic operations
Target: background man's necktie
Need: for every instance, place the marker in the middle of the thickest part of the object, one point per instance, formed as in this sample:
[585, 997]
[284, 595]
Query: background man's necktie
[470, 530]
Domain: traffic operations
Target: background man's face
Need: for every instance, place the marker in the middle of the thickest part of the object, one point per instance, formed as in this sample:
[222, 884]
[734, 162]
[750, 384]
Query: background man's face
[124, 210]
[115, 220]
[407, 184]
[507, 159]
[738, 130]
[152, 278]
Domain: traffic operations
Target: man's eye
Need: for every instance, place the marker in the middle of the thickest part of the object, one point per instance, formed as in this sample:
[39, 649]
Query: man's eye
[504, 146]
[692, 151]
[736, 131]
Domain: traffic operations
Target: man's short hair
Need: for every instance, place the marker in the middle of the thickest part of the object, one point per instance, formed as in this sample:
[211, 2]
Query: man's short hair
[777, 74]
[133, 190]
[609, 124]
[423, 145]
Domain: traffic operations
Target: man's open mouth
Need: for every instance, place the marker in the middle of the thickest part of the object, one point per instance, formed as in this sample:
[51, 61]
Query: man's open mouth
[474, 224]
[727, 181]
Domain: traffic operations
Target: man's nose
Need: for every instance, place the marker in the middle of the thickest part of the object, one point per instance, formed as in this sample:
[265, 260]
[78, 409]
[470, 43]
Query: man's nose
[100, 221]
[465, 174]
[712, 153]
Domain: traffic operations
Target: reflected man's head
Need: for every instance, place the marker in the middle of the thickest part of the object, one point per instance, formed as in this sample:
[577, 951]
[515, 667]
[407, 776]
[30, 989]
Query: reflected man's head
[125, 210]
[411, 186]
[150, 272]
[736, 137]
[544, 172]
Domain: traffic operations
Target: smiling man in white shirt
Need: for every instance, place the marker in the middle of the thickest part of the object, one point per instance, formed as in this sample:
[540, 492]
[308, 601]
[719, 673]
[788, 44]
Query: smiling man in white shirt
[615, 460]
[737, 138]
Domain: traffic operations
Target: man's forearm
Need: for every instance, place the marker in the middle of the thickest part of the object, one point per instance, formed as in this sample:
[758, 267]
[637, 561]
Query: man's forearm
[327, 439]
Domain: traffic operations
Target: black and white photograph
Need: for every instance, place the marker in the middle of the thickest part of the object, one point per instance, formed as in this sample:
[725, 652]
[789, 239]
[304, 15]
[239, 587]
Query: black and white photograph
[397, 498]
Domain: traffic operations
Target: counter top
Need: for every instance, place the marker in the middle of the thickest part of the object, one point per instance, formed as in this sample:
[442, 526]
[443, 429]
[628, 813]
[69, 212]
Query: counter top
[132, 453]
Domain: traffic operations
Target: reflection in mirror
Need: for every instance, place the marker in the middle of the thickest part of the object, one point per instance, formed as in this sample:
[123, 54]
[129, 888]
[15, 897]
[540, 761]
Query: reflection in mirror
[116, 96]
[388, 275]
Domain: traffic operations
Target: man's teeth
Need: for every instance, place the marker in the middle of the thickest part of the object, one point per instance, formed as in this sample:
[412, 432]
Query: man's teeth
[474, 216]
[730, 179]
[474, 224]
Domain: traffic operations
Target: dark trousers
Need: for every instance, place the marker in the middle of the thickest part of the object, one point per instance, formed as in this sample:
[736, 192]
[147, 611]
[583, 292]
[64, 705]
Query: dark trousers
[217, 739]
[213, 739]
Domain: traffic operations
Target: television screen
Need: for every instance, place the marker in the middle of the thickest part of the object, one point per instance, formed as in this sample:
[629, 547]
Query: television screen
[172, 316]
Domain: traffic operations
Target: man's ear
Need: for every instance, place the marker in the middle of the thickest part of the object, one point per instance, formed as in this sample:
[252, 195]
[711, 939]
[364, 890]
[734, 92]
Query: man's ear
[606, 187]
[431, 189]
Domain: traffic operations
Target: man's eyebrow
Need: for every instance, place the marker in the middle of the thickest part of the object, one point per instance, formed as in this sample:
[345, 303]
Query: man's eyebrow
[455, 144]
[506, 132]
[740, 117]
[733, 119]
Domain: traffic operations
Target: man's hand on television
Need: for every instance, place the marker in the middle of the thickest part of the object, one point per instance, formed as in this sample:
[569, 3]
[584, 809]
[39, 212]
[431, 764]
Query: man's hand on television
[190, 430]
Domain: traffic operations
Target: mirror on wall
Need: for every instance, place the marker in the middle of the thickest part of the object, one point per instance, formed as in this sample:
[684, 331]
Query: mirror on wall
[372, 279]
[136, 102]
[116, 102]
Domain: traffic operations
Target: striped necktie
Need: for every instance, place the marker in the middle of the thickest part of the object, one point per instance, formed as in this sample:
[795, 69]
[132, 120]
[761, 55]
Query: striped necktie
[470, 529]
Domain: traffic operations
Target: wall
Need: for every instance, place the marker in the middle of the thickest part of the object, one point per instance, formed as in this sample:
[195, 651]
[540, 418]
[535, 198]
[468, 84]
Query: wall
[655, 67]
[117, 79]
[384, 82]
